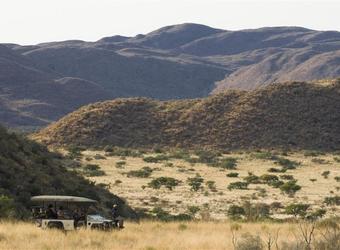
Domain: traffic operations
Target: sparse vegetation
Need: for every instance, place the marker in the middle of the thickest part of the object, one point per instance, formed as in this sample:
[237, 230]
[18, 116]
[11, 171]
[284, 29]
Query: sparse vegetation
[232, 174]
[92, 170]
[238, 185]
[144, 172]
[167, 182]
[195, 182]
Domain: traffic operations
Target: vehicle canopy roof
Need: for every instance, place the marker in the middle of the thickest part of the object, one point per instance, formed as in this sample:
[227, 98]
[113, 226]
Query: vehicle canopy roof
[62, 198]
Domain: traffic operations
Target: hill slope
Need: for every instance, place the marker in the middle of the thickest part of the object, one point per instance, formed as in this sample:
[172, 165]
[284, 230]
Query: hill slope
[28, 169]
[290, 115]
[174, 62]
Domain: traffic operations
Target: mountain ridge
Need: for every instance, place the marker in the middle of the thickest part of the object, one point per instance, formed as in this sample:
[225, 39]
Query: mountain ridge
[174, 62]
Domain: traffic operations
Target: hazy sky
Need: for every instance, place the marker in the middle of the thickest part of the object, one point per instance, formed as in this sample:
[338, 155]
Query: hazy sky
[35, 21]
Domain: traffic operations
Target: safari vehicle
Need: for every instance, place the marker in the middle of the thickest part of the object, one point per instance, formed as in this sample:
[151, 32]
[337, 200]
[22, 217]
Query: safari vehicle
[68, 213]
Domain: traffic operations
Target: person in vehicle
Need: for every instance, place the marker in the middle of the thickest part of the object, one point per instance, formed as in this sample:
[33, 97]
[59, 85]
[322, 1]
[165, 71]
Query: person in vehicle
[50, 213]
[61, 213]
[117, 219]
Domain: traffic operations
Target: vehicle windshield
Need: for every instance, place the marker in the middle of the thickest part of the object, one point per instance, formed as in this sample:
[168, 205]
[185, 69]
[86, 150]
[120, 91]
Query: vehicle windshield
[96, 217]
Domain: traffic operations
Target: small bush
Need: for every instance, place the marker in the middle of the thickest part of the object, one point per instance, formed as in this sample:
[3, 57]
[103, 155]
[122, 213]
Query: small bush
[255, 212]
[211, 185]
[156, 159]
[298, 209]
[337, 178]
[120, 164]
[235, 212]
[92, 170]
[287, 177]
[332, 200]
[290, 188]
[209, 157]
[144, 172]
[277, 170]
[325, 174]
[195, 182]
[286, 163]
[269, 178]
[232, 174]
[193, 210]
[238, 185]
[227, 163]
[336, 159]
[167, 182]
[252, 179]
[319, 161]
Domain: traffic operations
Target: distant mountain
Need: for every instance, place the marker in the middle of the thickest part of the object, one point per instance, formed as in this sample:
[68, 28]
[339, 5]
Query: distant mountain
[295, 115]
[41, 83]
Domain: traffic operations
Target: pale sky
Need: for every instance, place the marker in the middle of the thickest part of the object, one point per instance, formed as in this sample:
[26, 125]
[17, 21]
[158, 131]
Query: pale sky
[36, 21]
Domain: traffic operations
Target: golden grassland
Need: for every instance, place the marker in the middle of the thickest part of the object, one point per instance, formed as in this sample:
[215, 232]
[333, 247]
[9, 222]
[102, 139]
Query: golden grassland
[146, 235]
[138, 195]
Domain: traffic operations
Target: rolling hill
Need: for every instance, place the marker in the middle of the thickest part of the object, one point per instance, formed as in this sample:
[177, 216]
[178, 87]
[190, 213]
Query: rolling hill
[296, 115]
[28, 168]
[41, 83]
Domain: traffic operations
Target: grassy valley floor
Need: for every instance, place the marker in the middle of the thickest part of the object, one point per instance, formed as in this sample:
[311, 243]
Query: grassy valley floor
[128, 178]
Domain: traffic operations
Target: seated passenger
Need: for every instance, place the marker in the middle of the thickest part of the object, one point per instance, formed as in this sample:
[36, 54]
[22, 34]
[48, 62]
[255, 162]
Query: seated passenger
[50, 213]
[61, 213]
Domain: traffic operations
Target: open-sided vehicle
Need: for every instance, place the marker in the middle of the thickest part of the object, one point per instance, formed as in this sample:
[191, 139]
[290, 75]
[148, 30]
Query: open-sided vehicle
[68, 213]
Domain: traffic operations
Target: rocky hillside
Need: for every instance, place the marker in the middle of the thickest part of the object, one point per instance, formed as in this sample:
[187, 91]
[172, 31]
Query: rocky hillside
[41, 83]
[28, 169]
[291, 115]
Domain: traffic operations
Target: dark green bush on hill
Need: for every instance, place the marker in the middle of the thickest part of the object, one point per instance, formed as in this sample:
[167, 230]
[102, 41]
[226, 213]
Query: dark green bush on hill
[28, 168]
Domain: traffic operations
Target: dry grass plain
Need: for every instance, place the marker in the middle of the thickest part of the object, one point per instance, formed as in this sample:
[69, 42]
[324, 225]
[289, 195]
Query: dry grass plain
[146, 235]
[175, 201]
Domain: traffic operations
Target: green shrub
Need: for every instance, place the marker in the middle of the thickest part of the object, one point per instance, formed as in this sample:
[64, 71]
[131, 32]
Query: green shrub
[120, 164]
[277, 170]
[193, 210]
[332, 200]
[232, 174]
[144, 172]
[209, 157]
[227, 163]
[255, 212]
[156, 159]
[92, 170]
[211, 185]
[298, 209]
[325, 174]
[290, 188]
[287, 177]
[286, 163]
[123, 152]
[238, 185]
[235, 212]
[195, 182]
[252, 179]
[337, 178]
[336, 159]
[167, 182]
